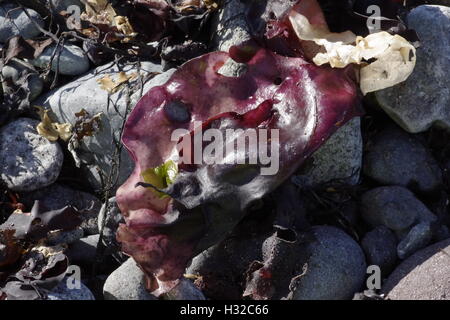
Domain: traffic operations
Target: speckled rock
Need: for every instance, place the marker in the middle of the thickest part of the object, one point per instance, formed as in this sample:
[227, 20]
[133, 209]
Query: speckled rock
[231, 27]
[63, 292]
[14, 21]
[126, 283]
[424, 98]
[423, 276]
[69, 60]
[394, 207]
[336, 268]
[28, 161]
[395, 157]
[65, 237]
[339, 159]
[184, 290]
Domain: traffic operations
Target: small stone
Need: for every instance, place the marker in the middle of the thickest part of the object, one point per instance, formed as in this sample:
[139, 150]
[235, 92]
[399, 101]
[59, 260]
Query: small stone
[423, 99]
[16, 68]
[397, 158]
[417, 238]
[58, 196]
[63, 292]
[336, 268]
[423, 276]
[127, 283]
[69, 60]
[109, 228]
[28, 161]
[394, 207]
[65, 237]
[14, 21]
[380, 246]
[339, 159]
[184, 290]
[83, 250]
[219, 268]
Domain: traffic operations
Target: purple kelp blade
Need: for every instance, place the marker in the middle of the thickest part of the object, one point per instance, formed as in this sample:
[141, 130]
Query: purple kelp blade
[305, 103]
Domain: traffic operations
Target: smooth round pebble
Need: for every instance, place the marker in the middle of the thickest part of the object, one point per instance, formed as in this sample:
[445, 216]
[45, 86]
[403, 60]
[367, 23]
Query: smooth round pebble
[126, 283]
[395, 157]
[394, 207]
[72, 60]
[336, 268]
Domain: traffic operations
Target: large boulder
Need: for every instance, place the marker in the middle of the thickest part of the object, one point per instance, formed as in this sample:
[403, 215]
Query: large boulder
[97, 152]
[423, 276]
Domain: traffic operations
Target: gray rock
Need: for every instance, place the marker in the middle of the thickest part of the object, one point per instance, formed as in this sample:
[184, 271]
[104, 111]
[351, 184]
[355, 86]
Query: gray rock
[397, 158]
[423, 276]
[336, 268]
[65, 237]
[28, 161]
[83, 250]
[418, 237]
[63, 292]
[126, 283]
[14, 21]
[394, 207]
[69, 60]
[96, 152]
[339, 159]
[16, 68]
[230, 26]
[232, 68]
[58, 196]
[380, 247]
[424, 98]
[184, 290]
[113, 219]
[109, 227]
[220, 267]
